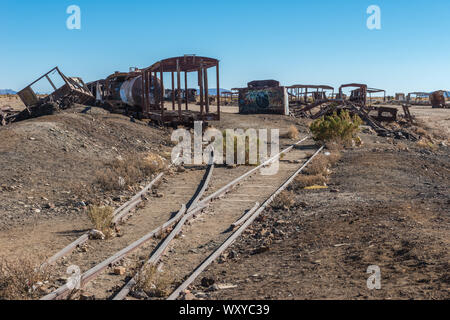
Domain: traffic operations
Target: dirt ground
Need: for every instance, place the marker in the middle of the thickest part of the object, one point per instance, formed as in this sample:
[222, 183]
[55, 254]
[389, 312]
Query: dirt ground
[49, 164]
[386, 205]
[12, 101]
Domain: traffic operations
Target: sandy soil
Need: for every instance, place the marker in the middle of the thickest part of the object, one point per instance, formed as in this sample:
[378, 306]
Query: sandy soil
[12, 101]
[385, 206]
[47, 162]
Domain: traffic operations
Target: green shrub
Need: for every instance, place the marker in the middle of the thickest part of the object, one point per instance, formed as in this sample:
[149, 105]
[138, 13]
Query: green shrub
[338, 127]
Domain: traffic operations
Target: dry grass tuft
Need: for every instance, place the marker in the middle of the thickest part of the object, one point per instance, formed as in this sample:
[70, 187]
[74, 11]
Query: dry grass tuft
[317, 172]
[318, 166]
[20, 279]
[304, 180]
[322, 163]
[285, 200]
[333, 157]
[292, 133]
[124, 172]
[152, 282]
[101, 218]
[425, 143]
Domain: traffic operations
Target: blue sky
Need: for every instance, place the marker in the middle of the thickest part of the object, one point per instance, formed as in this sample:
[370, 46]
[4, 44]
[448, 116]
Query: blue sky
[295, 42]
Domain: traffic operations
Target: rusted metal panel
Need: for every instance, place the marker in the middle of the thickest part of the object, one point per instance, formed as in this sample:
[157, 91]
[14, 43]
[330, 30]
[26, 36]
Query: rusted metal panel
[385, 114]
[28, 96]
[272, 100]
[178, 65]
[131, 91]
[261, 84]
[400, 97]
[73, 90]
[437, 99]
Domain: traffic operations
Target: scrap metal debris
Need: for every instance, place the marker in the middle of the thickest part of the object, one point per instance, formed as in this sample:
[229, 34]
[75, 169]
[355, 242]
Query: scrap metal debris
[264, 96]
[437, 99]
[73, 90]
[358, 102]
[140, 93]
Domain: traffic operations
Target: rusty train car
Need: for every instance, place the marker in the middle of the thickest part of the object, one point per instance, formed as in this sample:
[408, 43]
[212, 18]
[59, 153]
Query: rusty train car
[123, 92]
[141, 92]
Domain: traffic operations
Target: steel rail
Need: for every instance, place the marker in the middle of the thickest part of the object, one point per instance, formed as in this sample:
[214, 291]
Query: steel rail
[238, 232]
[230, 185]
[63, 291]
[156, 256]
[118, 215]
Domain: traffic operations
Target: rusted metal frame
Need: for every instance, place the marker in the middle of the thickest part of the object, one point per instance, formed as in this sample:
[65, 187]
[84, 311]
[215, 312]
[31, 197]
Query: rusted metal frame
[147, 105]
[218, 91]
[186, 95]
[148, 92]
[173, 90]
[190, 212]
[232, 238]
[51, 82]
[179, 90]
[200, 83]
[205, 79]
[161, 70]
[143, 83]
[40, 78]
[62, 75]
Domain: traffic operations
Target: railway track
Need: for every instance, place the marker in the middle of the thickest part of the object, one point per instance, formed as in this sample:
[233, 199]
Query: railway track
[120, 214]
[242, 187]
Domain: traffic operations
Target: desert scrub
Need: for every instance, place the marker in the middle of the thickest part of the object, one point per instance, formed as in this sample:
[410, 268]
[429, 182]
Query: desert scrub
[285, 200]
[305, 180]
[292, 133]
[337, 127]
[152, 282]
[101, 218]
[20, 279]
[122, 173]
[317, 172]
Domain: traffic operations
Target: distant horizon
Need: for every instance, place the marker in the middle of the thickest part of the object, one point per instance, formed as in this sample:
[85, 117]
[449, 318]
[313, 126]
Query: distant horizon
[211, 91]
[330, 44]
